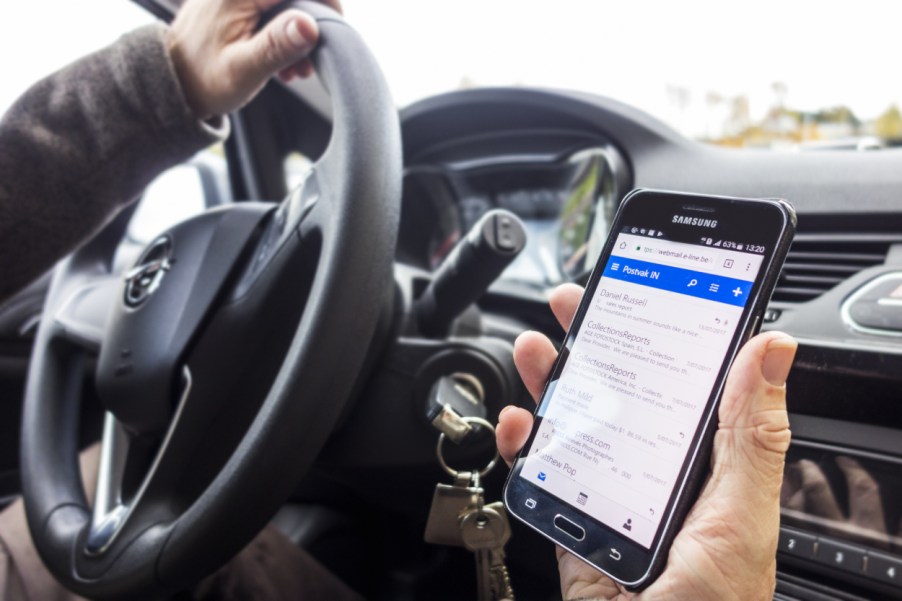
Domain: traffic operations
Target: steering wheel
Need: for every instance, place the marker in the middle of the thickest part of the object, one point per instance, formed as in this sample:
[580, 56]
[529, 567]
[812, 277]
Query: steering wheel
[224, 358]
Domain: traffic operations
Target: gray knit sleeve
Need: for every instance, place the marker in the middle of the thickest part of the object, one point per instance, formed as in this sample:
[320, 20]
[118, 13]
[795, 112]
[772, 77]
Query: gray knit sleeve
[85, 141]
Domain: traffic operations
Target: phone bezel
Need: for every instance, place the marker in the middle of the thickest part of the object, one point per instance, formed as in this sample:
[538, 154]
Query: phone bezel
[635, 565]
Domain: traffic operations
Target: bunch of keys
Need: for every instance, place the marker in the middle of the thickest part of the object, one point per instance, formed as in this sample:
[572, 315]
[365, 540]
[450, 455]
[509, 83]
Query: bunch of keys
[460, 517]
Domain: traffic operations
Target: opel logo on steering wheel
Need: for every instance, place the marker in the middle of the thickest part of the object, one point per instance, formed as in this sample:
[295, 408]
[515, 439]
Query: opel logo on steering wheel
[145, 277]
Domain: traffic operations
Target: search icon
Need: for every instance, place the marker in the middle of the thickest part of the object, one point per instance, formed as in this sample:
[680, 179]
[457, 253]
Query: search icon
[692, 282]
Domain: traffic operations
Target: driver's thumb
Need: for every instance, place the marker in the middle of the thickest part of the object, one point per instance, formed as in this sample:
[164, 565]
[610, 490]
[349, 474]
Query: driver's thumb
[753, 436]
[285, 41]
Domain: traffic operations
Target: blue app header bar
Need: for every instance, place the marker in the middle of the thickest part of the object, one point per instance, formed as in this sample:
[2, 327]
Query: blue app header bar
[682, 281]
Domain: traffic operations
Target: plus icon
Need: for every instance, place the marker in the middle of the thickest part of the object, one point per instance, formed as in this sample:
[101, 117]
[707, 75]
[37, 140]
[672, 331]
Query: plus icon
[737, 291]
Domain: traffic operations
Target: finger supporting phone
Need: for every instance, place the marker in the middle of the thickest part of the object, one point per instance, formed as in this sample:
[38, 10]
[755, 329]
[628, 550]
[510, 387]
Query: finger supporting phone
[622, 426]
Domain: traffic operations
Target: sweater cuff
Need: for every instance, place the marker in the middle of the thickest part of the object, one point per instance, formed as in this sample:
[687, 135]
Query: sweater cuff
[150, 64]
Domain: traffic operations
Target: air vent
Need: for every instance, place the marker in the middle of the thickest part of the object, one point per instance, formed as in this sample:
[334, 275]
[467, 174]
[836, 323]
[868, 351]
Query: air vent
[819, 261]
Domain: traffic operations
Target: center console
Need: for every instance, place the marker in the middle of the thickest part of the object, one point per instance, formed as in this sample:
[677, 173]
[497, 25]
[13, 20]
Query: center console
[841, 501]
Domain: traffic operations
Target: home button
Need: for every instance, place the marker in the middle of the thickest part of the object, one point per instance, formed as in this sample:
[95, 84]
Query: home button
[568, 527]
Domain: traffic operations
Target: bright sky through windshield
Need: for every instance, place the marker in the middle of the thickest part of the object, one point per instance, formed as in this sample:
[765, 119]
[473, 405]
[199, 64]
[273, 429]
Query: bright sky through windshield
[690, 63]
[672, 59]
[37, 38]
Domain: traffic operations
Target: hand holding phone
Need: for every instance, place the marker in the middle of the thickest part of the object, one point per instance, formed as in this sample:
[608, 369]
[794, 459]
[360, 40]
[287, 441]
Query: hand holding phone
[623, 432]
[727, 545]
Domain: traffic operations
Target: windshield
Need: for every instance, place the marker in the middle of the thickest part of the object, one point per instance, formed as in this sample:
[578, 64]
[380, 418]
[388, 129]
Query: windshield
[767, 73]
[37, 38]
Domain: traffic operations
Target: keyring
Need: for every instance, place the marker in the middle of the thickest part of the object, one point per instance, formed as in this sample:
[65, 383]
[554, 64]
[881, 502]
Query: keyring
[441, 439]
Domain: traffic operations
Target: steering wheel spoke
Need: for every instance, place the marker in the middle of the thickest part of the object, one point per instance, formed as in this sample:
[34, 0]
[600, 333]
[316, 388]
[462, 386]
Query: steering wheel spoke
[109, 513]
[123, 477]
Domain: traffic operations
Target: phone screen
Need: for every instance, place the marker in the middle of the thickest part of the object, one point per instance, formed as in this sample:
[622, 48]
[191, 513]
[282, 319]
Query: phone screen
[619, 420]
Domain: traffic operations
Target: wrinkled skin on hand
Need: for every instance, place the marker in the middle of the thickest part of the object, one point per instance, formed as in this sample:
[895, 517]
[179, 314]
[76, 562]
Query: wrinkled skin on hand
[726, 549]
[221, 58]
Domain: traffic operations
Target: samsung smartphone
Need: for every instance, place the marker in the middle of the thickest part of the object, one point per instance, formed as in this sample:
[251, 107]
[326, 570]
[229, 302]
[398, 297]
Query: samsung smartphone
[623, 430]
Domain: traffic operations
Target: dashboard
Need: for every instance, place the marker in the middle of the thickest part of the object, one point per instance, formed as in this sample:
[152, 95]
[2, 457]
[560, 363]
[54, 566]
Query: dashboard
[565, 199]
[562, 161]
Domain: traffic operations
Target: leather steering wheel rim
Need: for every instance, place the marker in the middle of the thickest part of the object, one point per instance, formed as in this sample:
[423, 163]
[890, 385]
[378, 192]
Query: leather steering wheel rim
[355, 202]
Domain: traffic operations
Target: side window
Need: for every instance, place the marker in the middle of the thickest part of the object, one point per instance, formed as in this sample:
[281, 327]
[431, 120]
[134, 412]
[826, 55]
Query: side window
[179, 193]
[176, 194]
[37, 38]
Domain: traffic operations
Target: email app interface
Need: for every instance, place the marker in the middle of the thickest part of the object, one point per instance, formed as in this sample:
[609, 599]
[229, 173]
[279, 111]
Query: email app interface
[620, 418]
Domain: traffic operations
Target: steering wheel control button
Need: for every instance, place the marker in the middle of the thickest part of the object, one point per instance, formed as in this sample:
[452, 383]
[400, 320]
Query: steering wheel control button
[145, 277]
[569, 528]
[838, 555]
[796, 543]
[280, 226]
[884, 568]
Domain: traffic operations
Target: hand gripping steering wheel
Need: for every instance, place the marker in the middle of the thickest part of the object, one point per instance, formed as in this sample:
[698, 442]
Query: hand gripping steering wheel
[224, 358]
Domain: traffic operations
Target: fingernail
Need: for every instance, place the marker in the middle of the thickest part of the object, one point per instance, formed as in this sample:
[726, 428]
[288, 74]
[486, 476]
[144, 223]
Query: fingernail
[505, 410]
[778, 360]
[295, 36]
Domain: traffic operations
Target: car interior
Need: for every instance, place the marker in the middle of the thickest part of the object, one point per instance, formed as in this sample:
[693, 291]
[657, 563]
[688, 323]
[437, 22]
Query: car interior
[322, 359]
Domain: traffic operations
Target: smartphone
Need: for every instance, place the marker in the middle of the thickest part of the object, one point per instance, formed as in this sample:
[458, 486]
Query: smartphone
[623, 430]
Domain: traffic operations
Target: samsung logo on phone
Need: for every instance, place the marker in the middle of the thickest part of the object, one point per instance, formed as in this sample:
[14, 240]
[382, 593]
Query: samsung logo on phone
[712, 223]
